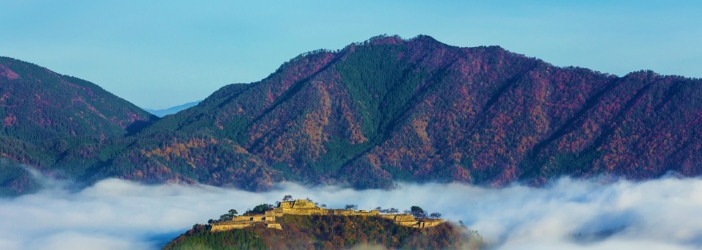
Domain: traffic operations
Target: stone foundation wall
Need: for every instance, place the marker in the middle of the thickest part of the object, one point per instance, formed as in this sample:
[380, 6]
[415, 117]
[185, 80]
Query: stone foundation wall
[285, 204]
[408, 220]
[305, 211]
[304, 207]
[398, 217]
[274, 226]
[252, 218]
[345, 212]
[300, 207]
[430, 223]
[227, 227]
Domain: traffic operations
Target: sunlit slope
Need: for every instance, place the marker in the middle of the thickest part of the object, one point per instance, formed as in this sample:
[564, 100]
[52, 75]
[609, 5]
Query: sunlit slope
[418, 110]
[389, 110]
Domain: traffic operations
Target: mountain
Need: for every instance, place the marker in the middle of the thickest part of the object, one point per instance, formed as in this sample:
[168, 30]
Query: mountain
[172, 110]
[44, 114]
[418, 110]
[297, 230]
[38, 104]
[415, 110]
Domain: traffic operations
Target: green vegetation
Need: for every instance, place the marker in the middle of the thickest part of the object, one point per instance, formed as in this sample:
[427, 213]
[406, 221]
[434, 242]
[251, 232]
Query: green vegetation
[381, 83]
[15, 180]
[200, 238]
[329, 232]
[369, 115]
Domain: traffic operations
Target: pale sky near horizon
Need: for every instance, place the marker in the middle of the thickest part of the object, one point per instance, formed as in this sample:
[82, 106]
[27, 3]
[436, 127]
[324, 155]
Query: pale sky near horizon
[159, 54]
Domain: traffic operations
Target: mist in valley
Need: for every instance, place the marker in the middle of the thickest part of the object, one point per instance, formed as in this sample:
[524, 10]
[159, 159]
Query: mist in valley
[567, 214]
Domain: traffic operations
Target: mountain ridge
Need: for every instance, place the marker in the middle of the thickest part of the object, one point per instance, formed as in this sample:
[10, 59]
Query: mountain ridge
[390, 109]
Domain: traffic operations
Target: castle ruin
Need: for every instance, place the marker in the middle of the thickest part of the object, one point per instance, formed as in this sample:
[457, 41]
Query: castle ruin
[305, 207]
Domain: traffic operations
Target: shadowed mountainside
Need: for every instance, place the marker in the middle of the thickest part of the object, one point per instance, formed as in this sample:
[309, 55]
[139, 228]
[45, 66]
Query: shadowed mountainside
[45, 114]
[389, 110]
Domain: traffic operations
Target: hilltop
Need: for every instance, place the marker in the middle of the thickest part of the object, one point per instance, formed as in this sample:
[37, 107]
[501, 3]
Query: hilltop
[301, 224]
[391, 109]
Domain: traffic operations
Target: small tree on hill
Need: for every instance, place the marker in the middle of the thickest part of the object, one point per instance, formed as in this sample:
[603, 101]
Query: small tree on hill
[351, 206]
[261, 208]
[414, 209]
[287, 197]
[435, 215]
[225, 217]
[418, 212]
[233, 213]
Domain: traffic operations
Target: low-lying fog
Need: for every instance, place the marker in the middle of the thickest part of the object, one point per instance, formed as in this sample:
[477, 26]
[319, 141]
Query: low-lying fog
[569, 214]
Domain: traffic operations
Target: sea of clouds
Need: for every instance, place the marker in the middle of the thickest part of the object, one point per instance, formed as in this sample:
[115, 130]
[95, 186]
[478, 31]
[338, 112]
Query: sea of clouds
[567, 214]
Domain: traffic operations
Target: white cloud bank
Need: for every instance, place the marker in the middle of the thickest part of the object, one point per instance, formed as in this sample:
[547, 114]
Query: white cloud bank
[569, 214]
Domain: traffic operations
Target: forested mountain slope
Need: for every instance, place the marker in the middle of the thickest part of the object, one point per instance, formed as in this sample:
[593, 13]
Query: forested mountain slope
[418, 110]
[44, 114]
[37, 104]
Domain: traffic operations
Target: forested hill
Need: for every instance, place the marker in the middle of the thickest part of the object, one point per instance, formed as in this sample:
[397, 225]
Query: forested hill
[38, 104]
[418, 110]
[43, 113]
[329, 232]
[326, 231]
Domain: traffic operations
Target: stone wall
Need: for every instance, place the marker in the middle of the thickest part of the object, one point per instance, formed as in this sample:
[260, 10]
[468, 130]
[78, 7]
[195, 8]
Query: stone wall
[424, 223]
[399, 217]
[276, 212]
[252, 218]
[408, 220]
[286, 204]
[274, 226]
[301, 207]
[304, 207]
[303, 204]
[349, 212]
[226, 227]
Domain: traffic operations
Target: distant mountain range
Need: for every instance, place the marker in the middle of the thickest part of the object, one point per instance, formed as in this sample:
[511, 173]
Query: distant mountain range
[171, 110]
[367, 115]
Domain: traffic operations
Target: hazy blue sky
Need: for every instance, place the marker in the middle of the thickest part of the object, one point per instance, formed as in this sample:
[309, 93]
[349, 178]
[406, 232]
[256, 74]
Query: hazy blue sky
[159, 54]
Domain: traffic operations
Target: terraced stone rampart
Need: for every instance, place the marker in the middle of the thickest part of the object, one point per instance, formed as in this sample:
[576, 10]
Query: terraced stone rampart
[349, 212]
[304, 207]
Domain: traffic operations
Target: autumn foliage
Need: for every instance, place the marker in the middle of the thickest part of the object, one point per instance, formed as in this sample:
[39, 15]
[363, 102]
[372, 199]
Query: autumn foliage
[388, 110]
